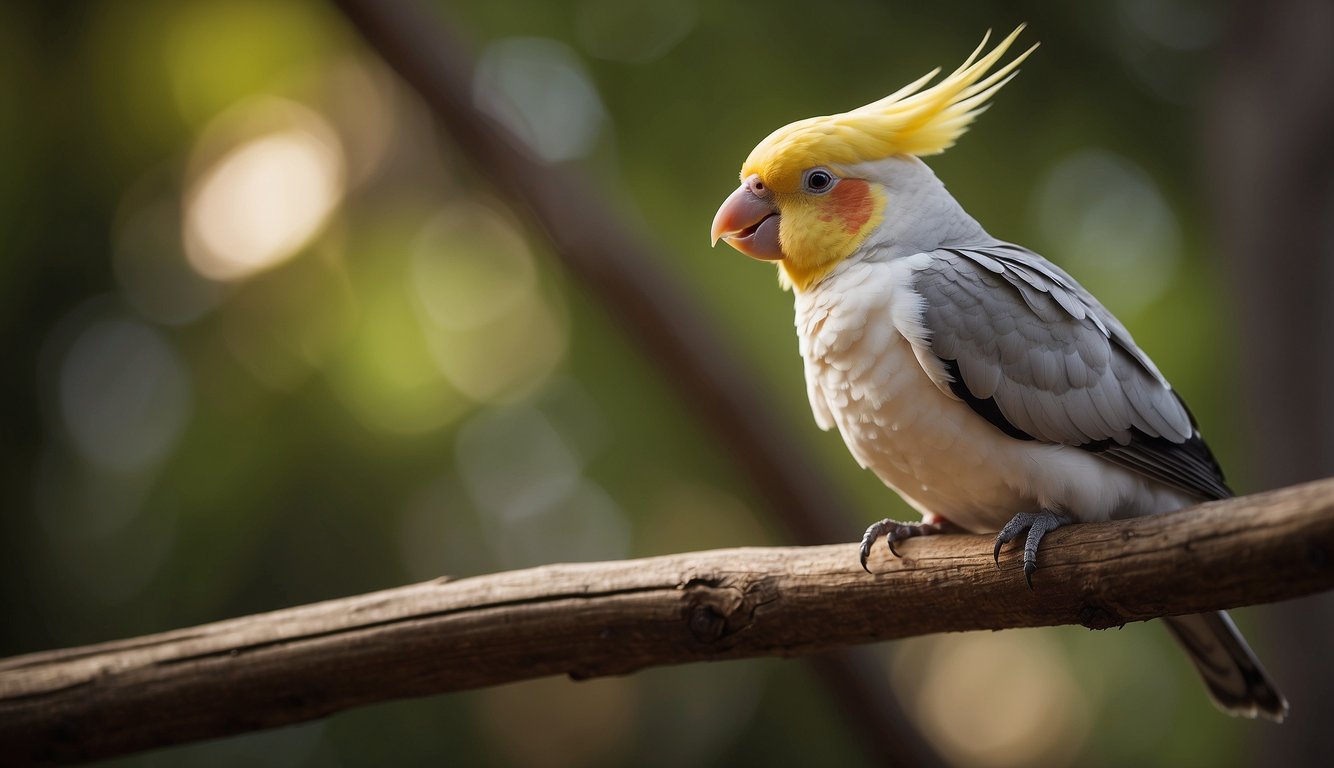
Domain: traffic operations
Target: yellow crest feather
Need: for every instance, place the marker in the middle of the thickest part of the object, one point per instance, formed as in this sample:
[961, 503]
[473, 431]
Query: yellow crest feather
[910, 121]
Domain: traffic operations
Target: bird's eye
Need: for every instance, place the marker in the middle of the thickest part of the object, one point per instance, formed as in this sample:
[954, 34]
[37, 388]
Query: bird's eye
[818, 180]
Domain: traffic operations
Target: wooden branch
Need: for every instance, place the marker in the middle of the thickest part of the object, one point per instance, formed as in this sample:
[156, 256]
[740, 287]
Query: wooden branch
[594, 619]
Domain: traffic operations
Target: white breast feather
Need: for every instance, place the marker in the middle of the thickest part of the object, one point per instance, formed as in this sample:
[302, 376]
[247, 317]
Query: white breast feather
[870, 372]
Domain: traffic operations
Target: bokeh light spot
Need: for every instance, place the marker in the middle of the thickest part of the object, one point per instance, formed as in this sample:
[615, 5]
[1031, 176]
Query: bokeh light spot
[527, 483]
[1111, 226]
[384, 374]
[260, 203]
[470, 268]
[125, 396]
[493, 334]
[540, 91]
[995, 699]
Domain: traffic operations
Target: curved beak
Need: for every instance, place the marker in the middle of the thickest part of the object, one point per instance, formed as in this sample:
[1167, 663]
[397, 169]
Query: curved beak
[748, 221]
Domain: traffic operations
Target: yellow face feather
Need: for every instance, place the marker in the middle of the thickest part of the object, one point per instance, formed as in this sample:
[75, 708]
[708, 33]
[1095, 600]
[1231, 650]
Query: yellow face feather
[818, 232]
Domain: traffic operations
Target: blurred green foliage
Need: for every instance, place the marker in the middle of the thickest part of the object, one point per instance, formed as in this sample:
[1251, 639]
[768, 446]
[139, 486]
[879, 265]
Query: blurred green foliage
[397, 382]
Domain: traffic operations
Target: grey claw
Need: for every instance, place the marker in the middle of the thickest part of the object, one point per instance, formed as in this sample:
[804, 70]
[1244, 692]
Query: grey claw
[1038, 524]
[868, 539]
[1017, 525]
[894, 531]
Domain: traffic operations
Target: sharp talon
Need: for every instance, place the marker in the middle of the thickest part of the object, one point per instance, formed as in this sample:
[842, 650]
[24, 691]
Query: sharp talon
[868, 540]
[894, 532]
[1038, 525]
[1016, 526]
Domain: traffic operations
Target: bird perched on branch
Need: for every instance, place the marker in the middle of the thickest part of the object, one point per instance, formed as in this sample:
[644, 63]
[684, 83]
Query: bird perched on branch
[973, 376]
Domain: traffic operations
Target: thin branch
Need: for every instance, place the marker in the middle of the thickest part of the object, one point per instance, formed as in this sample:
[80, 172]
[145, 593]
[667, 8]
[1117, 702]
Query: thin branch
[594, 619]
[619, 265]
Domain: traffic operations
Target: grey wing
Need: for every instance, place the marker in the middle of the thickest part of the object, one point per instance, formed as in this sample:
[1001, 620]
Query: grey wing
[1034, 353]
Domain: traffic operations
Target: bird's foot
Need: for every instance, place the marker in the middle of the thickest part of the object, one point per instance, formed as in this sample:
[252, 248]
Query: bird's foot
[894, 531]
[1037, 524]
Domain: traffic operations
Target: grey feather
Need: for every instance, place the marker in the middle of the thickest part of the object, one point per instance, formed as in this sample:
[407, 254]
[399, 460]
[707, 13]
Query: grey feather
[1235, 678]
[1040, 358]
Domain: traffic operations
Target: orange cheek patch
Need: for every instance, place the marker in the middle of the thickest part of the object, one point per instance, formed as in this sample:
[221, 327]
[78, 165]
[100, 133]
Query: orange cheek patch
[853, 203]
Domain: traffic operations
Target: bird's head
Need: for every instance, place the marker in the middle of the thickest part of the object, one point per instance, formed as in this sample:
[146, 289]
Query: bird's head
[808, 199]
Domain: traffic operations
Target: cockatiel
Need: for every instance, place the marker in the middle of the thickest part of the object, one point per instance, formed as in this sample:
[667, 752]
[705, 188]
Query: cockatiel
[974, 377]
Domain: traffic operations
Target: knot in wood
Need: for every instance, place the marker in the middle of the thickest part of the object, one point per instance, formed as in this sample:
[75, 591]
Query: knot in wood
[716, 608]
[706, 624]
[1095, 616]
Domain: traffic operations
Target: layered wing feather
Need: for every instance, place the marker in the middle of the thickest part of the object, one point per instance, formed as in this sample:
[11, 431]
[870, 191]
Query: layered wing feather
[1036, 355]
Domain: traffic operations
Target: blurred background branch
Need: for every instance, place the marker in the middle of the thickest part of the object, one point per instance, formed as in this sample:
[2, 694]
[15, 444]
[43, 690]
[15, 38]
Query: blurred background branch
[1268, 125]
[621, 268]
[595, 619]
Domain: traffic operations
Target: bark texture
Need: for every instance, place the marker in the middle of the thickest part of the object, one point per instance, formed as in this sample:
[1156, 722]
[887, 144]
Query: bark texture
[593, 619]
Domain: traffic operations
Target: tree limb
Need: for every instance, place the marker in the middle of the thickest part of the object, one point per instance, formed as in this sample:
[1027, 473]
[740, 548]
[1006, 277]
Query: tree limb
[593, 619]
